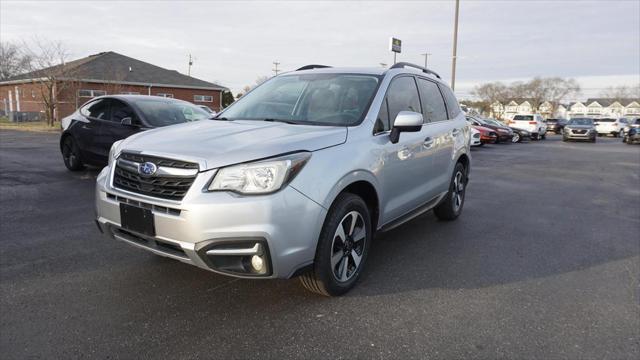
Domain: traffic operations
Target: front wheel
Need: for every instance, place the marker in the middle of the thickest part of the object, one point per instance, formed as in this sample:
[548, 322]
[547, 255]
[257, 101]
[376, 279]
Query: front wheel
[451, 206]
[342, 247]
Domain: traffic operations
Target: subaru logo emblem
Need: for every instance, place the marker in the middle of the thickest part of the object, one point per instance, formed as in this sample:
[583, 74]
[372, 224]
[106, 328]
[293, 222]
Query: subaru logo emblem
[147, 169]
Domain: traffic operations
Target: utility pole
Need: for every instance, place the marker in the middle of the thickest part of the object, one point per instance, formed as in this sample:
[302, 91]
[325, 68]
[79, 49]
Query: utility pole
[426, 57]
[275, 70]
[190, 63]
[455, 48]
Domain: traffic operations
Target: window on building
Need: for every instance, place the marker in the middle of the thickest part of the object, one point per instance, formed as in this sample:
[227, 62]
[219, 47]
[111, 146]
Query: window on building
[433, 108]
[202, 98]
[130, 93]
[91, 93]
[167, 95]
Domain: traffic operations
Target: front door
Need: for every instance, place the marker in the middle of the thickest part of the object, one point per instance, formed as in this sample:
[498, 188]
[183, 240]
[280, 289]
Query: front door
[112, 129]
[406, 164]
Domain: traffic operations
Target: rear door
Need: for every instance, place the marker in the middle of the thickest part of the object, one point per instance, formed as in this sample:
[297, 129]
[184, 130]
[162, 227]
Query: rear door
[439, 138]
[112, 129]
[88, 129]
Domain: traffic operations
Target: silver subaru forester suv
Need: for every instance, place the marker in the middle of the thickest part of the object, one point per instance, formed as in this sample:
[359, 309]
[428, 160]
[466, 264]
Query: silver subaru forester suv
[294, 178]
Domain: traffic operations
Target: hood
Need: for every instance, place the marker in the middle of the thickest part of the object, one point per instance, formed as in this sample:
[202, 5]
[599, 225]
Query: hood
[214, 144]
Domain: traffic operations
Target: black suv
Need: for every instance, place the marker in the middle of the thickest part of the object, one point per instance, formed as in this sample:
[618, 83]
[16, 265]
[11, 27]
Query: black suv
[556, 125]
[88, 133]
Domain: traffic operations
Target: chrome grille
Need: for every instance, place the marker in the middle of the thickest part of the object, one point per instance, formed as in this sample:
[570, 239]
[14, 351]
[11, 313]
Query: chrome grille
[171, 181]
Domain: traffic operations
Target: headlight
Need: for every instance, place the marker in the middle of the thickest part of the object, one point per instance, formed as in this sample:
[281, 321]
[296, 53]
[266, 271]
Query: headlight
[260, 177]
[114, 151]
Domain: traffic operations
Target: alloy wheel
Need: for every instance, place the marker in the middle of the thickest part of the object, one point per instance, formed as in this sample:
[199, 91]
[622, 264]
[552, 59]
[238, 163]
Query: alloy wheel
[458, 191]
[348, 246]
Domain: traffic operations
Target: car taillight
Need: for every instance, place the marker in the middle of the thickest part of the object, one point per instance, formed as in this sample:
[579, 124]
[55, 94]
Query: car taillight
[532, 122]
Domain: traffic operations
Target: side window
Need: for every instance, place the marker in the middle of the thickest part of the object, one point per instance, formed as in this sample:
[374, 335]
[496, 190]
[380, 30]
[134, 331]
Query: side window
[433, 108]
[452, 102]
[382, 122]
[120, 110]
[97, 109]
[402, 96]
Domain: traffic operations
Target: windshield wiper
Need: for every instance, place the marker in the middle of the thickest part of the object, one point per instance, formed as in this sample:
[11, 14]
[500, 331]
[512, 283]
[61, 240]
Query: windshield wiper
[282, 121]
[218, 118]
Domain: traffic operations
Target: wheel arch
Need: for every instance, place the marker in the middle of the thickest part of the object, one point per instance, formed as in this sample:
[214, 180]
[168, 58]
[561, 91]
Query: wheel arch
[363, 184]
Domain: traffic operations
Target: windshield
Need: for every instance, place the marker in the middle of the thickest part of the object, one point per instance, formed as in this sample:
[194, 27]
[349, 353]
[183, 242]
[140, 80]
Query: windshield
[169, 112]
[523, 117]
[314, 99]
[580, 121]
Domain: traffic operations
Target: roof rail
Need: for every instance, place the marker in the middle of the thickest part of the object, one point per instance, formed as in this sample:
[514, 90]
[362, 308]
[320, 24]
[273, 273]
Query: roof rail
[406, 64]
[313, 66]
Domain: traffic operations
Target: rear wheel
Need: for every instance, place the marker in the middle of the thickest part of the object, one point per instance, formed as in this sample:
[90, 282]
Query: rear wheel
[451, 206]
[71, 155]
[342, 247]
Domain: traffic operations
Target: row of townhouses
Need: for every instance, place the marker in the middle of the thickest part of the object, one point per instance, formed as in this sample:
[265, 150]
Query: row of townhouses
[593, 107]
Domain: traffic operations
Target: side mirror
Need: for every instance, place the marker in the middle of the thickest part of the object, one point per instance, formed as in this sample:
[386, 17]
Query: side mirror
[406, 121]
[127, 121]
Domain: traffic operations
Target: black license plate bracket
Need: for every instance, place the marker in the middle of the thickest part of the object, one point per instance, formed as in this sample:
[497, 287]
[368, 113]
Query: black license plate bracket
[137, 219]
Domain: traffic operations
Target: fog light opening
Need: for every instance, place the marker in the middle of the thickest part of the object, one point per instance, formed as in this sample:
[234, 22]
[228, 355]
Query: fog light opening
[257, 263]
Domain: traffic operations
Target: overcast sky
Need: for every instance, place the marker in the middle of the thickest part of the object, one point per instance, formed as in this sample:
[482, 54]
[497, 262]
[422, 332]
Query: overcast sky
[596, 42]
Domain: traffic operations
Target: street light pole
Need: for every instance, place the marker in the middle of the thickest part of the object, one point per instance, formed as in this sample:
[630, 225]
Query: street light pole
[426, 57]
[455, 48]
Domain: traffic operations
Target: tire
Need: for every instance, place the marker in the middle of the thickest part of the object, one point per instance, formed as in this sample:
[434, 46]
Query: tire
[516, 138]
[451, 206]
[334, 258]
[71, 155]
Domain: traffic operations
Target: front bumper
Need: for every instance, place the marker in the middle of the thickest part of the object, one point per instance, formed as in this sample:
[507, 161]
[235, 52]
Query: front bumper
[286, 224]
[573, 135]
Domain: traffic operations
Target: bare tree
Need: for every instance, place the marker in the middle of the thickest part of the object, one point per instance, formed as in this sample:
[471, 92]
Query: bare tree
[12, 61]
[48, 67]
[490, 94]
[620, 93]
[537, 91]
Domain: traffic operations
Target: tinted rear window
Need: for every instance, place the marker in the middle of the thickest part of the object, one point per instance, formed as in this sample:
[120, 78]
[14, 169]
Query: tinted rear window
[523, 117]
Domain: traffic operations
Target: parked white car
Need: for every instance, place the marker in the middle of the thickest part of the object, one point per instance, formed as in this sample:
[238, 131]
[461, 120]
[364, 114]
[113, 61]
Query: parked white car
[615, 127]
[533, 123]
[474, 140]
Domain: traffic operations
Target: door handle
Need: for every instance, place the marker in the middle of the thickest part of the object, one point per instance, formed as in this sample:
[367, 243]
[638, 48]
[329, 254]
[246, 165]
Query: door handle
[428, 142]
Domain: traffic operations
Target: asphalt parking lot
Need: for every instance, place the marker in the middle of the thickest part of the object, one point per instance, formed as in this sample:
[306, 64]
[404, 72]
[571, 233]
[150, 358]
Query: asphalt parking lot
[544, 263]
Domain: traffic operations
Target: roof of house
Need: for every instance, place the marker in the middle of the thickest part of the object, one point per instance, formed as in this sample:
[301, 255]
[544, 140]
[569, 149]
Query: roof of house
[113, 67]
[608, 101]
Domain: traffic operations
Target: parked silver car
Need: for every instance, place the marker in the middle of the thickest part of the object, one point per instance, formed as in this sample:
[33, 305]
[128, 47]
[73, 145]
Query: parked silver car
[580, 129]
[295, 177]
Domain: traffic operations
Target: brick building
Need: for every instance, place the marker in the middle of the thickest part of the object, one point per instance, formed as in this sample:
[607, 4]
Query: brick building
[78, 81]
